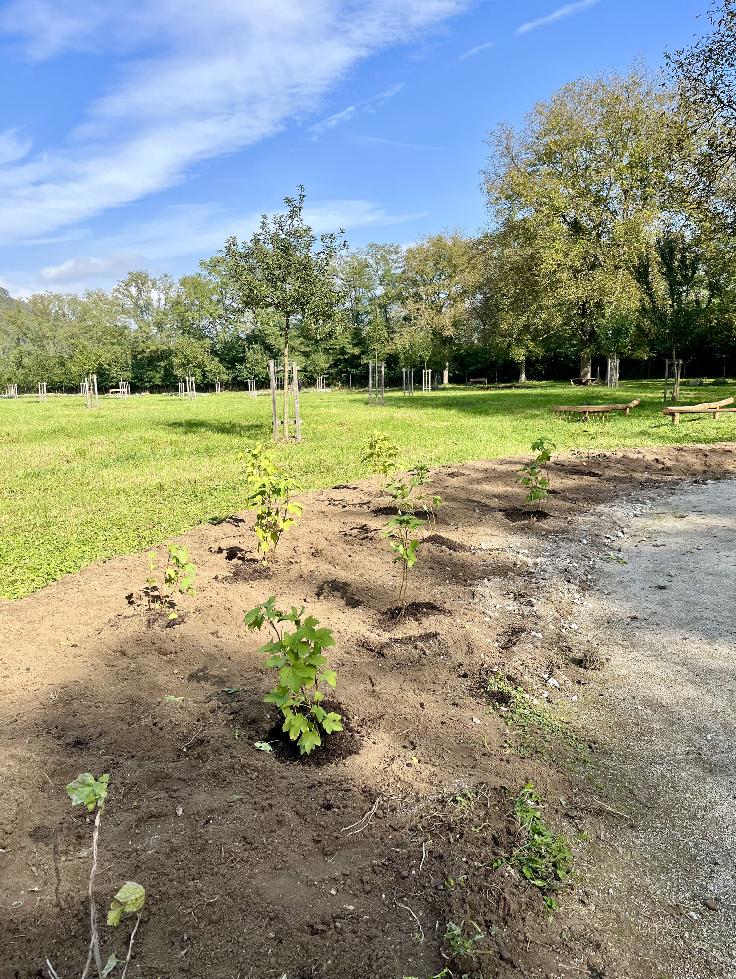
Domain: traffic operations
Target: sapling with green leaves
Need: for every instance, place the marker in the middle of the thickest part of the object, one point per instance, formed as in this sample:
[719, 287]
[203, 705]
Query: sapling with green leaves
[270, 491]
[298, 655]
[91, 792]
[178, 578]
[534, 475]
[401, 532]
[380, 454]
[408, 492]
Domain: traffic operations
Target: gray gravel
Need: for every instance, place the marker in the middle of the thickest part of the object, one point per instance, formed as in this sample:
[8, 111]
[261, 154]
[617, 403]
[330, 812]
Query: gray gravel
[658, 878]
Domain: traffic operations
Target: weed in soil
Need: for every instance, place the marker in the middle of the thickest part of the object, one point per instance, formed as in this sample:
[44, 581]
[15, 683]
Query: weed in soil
[538, 727]
[542, 857]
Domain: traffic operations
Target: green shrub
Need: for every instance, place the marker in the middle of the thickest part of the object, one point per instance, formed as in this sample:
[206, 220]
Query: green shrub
[270, 492]
[298, 656]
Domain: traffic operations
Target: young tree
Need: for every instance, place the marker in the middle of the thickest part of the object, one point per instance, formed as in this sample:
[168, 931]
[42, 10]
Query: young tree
[284, 269]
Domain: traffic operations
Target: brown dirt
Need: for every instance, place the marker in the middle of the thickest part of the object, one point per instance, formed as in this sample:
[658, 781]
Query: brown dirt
[248, 858]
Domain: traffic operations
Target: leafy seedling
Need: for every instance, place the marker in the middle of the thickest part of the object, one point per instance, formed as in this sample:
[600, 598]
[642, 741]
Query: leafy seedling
[533, 475]
[91, 792]
[178, 578]
[401, 534]
[409, 496]
[298, 655]
[269, 493]
[380, 454]
[543, 857]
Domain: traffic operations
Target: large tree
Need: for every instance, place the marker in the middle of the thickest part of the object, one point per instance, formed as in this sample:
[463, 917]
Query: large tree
[705, 75]
[588, 172]
[284, 269]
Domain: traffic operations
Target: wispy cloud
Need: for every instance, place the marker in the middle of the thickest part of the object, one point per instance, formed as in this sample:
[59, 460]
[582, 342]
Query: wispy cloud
[193, 81]
[13, 146]
[189, 232]
[566, 11]
[471, 52]
[349, 112]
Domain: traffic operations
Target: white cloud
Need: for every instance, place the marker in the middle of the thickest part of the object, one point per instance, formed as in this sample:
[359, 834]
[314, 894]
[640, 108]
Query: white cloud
[471, 52]
[196, 81]
[83, 269]
[13, 146]
[566, 11]
[185, 232]
[350, 111]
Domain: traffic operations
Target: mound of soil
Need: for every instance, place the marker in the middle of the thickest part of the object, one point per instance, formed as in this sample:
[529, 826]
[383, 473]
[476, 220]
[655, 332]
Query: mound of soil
[348, 869]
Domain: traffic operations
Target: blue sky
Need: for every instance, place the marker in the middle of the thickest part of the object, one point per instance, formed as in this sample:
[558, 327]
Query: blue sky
[142, 135]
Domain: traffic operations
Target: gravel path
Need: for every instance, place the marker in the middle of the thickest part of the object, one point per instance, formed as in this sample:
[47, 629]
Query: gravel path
[658, 877]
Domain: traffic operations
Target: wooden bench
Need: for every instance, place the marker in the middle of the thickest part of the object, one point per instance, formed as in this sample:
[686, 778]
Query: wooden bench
[479, 380]
[712, 408]
[587, 410]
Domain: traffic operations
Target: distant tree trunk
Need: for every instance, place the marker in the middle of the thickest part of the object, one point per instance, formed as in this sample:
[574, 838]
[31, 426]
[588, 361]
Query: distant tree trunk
[586, 365]
[612, 371]
[522, 369]
[285, 429]
[446, 375]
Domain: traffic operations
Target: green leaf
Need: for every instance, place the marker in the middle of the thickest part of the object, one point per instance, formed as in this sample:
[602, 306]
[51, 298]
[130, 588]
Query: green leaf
[332, 722]
[128, 900]
[86, 790]
[329, 677]
[262, 746]
[109, 965]
[309, 740]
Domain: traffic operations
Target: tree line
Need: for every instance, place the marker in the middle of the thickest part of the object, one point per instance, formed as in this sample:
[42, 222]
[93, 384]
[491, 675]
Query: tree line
[612, 213]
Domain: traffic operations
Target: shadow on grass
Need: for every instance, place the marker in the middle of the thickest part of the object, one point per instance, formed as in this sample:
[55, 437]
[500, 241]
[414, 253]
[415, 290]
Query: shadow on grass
[239, 429]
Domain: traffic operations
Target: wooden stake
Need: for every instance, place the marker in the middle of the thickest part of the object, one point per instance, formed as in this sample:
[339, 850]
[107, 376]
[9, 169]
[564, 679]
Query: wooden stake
[272, 377]
[297, 415]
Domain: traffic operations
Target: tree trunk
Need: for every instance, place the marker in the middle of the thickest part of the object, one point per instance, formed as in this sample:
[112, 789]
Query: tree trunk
[612, 371]
[285, 428]
[586, 366]
[522, 370]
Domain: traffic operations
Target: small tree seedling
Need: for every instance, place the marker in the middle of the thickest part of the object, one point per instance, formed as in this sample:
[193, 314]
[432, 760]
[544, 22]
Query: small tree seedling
[270, 492]
[91, 792]
[178, 578]
[534, 476]
[298, 655]
[380, 454]
[401, 534]
[408, 493]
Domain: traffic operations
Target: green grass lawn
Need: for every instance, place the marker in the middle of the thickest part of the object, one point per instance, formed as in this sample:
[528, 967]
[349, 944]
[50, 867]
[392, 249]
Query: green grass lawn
[78, 485]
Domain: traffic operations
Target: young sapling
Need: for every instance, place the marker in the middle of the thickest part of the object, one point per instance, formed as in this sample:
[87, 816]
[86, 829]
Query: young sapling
[91, 792]
[380, 454]
[408, 493]
[401, 534]
[298, 655]
[270, 491]
[534, 476]
[178, 577]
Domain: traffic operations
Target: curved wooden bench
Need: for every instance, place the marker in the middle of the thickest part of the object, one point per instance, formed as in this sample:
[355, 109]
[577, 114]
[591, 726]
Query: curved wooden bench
[587, 410]
[712, 408]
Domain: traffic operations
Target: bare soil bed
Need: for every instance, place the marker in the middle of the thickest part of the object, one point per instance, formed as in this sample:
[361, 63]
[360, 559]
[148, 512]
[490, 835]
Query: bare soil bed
[349, 864]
